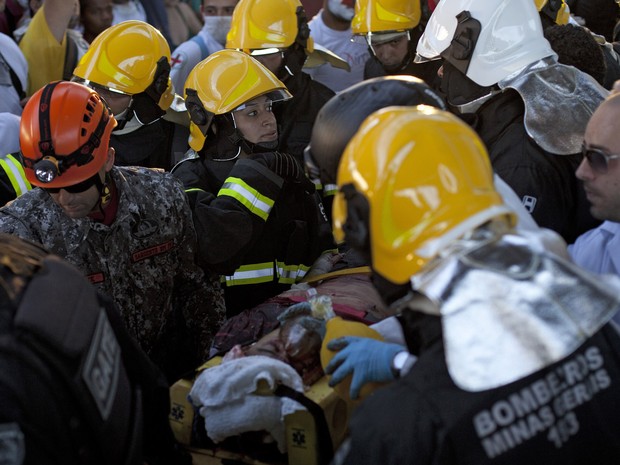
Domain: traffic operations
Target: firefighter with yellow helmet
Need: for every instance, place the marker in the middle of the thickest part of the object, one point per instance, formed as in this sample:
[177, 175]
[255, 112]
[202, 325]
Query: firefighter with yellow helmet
[259, 221]
[505, 341]
[129, 66]
[391, 29]
[276, 33]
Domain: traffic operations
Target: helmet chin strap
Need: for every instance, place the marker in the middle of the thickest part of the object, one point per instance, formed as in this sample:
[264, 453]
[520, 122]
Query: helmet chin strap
[123, 118]
[103, 188]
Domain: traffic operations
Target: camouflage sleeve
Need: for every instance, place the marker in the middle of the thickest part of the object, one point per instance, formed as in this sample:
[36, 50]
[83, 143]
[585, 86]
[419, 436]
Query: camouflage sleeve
[200, 297]
[11, 224]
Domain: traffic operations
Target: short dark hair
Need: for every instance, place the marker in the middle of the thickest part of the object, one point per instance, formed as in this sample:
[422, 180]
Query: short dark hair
[577, 47]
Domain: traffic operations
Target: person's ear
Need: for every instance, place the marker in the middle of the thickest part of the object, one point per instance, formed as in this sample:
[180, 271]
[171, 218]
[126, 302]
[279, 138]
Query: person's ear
[111, 157]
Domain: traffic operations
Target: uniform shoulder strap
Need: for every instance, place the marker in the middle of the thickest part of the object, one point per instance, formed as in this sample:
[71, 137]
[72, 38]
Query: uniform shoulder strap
[71, 56]
[204, 50]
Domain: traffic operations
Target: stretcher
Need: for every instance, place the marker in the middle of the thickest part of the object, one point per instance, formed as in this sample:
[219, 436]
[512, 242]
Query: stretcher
[307, 435]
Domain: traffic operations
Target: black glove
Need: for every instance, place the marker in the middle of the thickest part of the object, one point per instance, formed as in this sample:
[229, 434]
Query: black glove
[281, 164]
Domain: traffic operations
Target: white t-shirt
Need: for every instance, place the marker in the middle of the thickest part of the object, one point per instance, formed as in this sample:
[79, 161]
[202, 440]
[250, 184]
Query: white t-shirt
[9, 99]
[340, 43]
[189, 54]
[9, 133]
[133, 9]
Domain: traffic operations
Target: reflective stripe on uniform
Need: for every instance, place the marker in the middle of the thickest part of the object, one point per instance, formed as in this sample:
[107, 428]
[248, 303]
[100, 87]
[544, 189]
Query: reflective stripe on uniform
[194, 189]
[15, 172]
[252, 199]
[250, 274]
[330, 189]
[290, 274]
[264, 272]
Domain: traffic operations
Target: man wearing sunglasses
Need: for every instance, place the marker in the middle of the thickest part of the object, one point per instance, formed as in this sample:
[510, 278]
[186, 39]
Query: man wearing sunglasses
[128, 229]
[598, 250]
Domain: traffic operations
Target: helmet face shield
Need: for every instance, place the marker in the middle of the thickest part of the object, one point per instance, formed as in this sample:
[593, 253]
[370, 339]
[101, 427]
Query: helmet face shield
[274, 96]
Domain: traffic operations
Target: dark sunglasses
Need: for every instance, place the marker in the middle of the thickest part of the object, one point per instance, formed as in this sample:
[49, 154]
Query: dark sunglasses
[597, 159]
[74, 189]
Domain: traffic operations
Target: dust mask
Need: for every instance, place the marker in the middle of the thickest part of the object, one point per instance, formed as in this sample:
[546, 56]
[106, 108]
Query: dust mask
[342, 9]
[218, 27]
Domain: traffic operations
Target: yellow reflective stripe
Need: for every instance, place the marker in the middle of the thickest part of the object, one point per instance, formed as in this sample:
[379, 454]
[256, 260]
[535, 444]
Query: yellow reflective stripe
[330, 189]
[249, 197]
[15, 172]
[194, 189]
[250, 274]
[290, 274]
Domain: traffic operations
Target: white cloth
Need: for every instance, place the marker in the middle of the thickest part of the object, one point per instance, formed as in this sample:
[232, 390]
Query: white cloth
[133, 9]
[9, 99]
[9, 133]
[225, 396]
[189, 54]
[339, 42]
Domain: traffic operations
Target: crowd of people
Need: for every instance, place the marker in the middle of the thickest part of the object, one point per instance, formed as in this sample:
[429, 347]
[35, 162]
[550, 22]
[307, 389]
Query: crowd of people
[167, 166]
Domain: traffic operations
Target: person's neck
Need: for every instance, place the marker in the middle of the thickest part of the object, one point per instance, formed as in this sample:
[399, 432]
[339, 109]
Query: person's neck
[334, 22]
[108, 205]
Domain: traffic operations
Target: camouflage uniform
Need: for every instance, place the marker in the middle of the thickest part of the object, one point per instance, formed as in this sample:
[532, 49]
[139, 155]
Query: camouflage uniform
[144, 260]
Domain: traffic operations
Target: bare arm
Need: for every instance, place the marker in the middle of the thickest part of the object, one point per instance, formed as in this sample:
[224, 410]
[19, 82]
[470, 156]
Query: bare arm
[58, 13]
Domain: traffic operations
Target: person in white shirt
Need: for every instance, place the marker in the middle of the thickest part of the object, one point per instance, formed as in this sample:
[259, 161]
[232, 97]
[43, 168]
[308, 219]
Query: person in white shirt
[331, 28]
[124, 10]
[13, 76]
[217, 15]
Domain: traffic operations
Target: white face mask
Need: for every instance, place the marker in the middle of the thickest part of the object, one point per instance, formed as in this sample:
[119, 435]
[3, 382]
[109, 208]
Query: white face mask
[340, 10]
[218, 27]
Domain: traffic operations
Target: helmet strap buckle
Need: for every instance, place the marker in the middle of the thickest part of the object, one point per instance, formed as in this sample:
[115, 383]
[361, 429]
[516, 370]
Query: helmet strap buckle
[463, 43]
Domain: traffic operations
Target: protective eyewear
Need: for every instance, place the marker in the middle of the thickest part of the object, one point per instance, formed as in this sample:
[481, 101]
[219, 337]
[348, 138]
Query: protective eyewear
[75, 188]
[597, 158]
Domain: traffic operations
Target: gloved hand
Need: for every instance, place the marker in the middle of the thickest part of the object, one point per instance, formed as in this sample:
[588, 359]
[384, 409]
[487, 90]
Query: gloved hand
[282, 164]
[367, 359]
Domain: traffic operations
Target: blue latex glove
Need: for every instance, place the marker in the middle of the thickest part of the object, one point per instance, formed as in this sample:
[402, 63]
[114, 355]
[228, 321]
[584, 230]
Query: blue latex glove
[367, 359]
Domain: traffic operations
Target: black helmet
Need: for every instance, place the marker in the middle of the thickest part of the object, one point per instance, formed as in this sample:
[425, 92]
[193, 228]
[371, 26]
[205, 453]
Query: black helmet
[339, 119]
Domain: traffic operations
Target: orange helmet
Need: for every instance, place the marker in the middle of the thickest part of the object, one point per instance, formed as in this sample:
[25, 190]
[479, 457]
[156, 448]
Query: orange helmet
[64, 134]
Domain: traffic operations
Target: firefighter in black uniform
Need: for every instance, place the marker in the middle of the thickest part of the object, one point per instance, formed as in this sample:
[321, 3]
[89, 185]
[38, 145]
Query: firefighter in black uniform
[259, 221]
[75, 388]
[520, 101]
[128, 64]
[276, 33]
[517, 362]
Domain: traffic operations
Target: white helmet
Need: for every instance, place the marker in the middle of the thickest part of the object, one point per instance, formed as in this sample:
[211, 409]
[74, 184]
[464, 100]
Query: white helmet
[510, 37]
